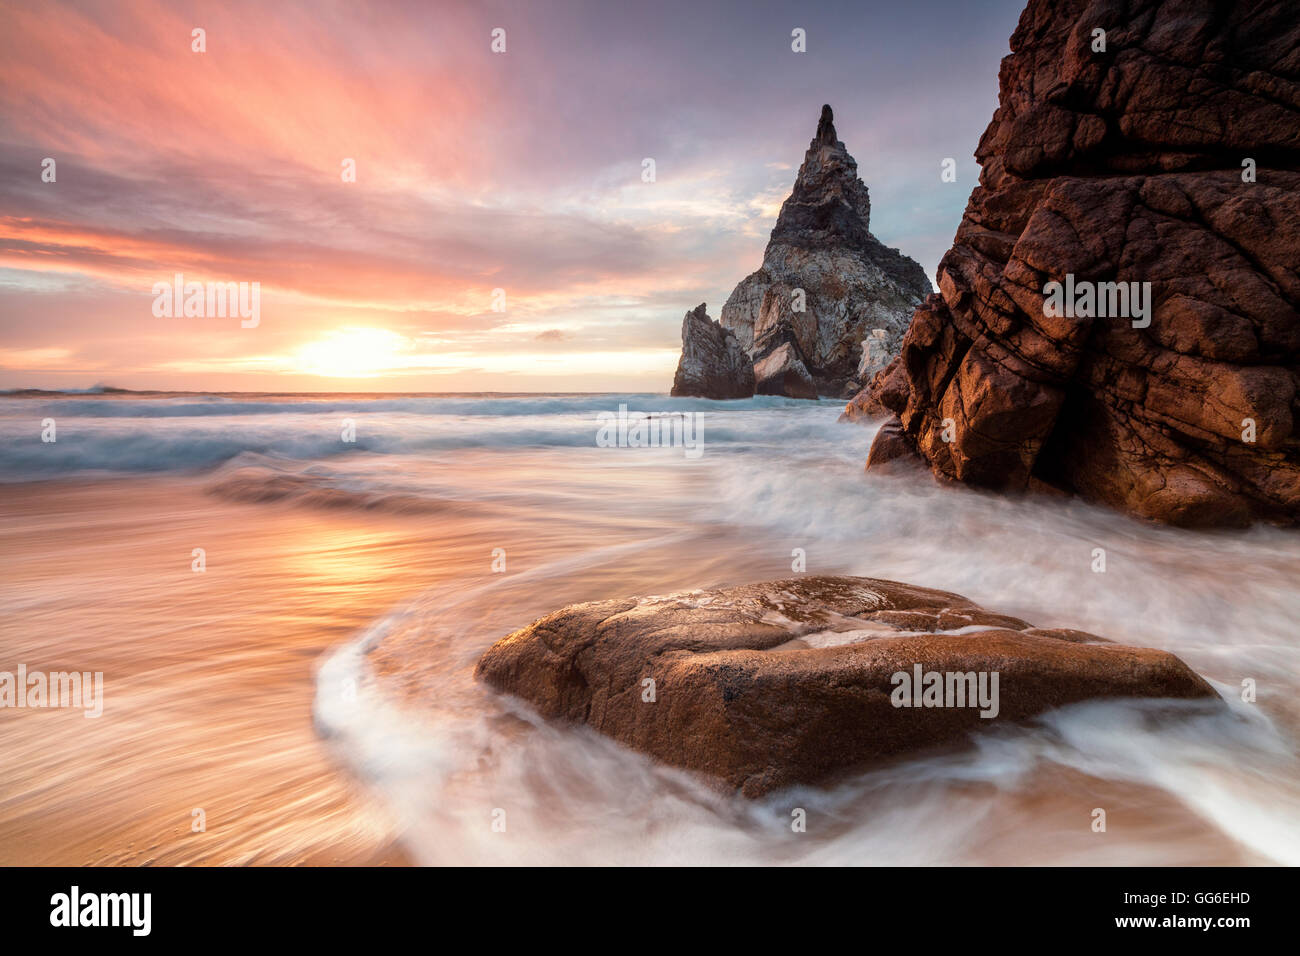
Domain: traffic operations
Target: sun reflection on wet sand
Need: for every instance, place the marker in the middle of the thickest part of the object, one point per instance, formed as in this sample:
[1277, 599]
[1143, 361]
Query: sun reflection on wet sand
[208, 676]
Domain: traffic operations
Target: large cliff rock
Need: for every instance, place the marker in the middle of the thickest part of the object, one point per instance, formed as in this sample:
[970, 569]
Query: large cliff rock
[852, 284]
[1170, 157]
[713, 365]
[826, 284]
[767, 685]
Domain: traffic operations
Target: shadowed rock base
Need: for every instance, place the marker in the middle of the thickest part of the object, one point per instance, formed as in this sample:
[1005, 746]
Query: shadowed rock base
[786, 682]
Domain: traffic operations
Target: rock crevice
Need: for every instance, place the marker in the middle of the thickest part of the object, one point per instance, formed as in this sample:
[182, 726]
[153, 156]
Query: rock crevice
[1171, 159]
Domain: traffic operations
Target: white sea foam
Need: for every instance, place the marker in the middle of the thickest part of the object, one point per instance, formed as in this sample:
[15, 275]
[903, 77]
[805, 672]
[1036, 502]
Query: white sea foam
[115, 435]
[776, 475]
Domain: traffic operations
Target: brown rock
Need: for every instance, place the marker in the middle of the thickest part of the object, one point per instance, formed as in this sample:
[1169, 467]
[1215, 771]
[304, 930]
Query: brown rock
[786, 682]
[891, 451]
[869, 403]
[1126, 166]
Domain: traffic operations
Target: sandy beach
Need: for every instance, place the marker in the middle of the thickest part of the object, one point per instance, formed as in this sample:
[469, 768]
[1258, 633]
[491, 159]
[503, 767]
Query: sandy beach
[312, 690]
[209, 677]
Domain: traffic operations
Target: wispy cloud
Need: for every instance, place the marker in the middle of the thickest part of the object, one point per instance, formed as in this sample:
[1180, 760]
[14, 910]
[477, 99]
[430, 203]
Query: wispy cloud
[475, 172]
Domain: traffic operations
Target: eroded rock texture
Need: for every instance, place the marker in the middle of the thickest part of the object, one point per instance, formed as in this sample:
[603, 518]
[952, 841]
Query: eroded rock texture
[766, 685]
[826, 284]
[1125, 165]
[713, 365]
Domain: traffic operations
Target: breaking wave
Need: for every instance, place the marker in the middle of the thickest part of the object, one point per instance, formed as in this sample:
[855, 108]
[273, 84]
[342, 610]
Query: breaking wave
[133, 436]
[402, 711]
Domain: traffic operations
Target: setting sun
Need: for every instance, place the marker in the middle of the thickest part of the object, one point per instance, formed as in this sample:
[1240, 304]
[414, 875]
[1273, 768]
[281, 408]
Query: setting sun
[353, 353]
[693, 435]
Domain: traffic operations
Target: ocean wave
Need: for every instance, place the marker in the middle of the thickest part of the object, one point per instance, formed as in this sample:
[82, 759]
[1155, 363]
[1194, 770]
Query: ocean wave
[256, 479]
[182, 435]
[445, 752]
[203, 406]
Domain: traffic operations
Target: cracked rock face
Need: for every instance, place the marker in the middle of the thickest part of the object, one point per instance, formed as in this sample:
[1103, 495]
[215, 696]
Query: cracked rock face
[852, 284]
[782, 372]
[826, 283]
[713, 365]
[1125, 165]
[767, 685]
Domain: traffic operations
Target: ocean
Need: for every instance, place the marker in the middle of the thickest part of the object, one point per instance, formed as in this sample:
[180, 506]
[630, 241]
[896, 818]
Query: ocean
[351, 585]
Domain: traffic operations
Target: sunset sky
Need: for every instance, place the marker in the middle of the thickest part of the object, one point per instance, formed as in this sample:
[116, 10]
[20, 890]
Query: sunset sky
[475, 171]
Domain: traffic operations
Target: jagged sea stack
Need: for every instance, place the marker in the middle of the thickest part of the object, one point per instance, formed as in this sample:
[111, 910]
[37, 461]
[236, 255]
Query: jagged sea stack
[713, 365]
[1154, 147]
[826, 285]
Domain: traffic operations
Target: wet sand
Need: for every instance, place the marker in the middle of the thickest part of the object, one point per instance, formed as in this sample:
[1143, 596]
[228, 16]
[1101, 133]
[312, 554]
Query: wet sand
[208, 677]
[278, 692]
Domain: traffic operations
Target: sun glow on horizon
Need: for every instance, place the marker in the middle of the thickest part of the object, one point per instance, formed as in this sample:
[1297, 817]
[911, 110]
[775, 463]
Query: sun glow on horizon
[354, 353]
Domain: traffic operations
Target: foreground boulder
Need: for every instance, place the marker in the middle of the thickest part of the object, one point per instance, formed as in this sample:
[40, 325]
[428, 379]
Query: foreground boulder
[786, 682]
[713, 365]
[826, 286]
[1170, 157]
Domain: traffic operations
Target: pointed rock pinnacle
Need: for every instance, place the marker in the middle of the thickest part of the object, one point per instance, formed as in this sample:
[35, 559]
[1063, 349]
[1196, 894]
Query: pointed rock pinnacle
[826, 127]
